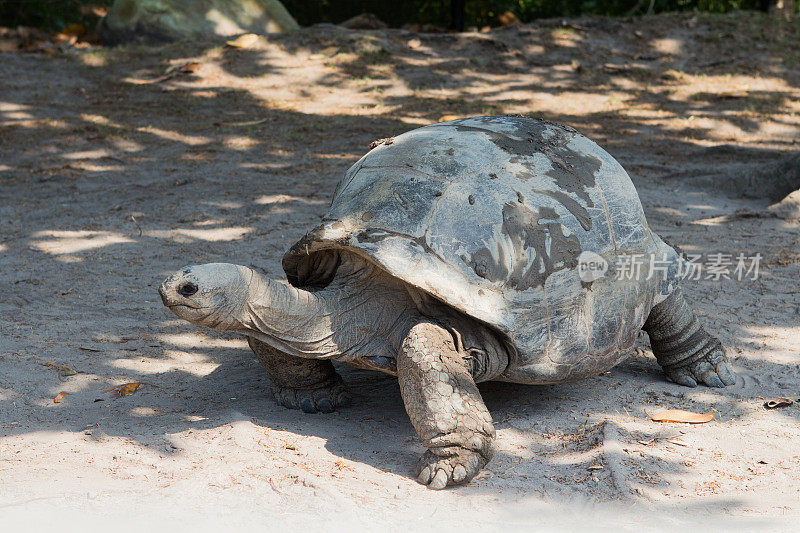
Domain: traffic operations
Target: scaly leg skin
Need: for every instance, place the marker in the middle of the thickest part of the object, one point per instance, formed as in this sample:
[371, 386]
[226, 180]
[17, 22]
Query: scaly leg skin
[688, 354]
[445, 408]
[310, 385]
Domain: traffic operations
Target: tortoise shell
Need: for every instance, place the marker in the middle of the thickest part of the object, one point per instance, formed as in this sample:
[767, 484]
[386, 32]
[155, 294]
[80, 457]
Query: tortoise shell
[492, 216]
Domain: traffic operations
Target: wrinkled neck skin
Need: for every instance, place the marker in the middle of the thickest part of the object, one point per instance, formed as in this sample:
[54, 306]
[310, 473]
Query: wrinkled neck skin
[361, 318]
[294, 321]
[351, 318]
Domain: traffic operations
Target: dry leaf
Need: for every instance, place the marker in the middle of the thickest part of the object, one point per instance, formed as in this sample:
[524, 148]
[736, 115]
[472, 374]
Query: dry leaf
[189, 67]
[88, 349]
[677, 442]
[60, 396]
[565, 24]
[595, 467]
[66, 40]
[778, 402]
[507, 19]
[165, 77]
[387, 141]
[93, 11]
[74, 29]
[70, 34]
[65, 371]
[244, 41]
[448, 118]
[678, 415]
[123, 390]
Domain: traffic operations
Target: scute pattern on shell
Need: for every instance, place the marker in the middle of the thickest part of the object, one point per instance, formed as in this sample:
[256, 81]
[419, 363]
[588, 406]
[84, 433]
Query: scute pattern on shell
[490, 214]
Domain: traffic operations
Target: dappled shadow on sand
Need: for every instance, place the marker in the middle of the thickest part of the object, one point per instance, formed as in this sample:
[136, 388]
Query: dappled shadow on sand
[109, 185]
[584, 441]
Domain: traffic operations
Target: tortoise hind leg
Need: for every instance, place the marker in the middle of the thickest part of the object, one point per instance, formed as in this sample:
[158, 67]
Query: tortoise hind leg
[688, 354]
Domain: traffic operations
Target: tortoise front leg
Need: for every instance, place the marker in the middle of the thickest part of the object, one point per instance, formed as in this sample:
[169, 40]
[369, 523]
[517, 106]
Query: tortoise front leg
[445, 408]
[311, 385]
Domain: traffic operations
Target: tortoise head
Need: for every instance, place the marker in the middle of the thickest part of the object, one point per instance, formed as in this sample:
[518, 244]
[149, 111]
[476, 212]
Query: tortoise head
[212, 295]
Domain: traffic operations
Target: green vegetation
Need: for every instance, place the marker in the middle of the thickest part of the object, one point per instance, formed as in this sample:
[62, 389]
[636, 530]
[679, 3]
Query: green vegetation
[48, 15]
[485, 12]
[55, 14]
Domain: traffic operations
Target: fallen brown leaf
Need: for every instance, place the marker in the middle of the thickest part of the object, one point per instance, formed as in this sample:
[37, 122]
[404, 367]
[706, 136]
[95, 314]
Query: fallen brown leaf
[448, 118]
[123, 390]
[678, 415]
[159, 79]
[775, 403]
[507, 19]
[93, 11]
[677, 442]
[65, 39]
[189, 67]
[65, 371]
[60, 396]
[244, 41]
[70, 34]
[565, 24]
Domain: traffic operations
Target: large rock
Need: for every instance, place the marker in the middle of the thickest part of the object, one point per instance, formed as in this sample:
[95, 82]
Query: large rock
[788, 208]
[170, 20]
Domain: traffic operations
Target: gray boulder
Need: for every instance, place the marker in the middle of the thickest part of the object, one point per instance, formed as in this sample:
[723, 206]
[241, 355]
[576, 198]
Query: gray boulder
[171, 20]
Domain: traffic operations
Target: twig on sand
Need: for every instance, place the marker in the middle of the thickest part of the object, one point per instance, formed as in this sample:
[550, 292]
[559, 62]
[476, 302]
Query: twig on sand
[245, 123]
[137, 225]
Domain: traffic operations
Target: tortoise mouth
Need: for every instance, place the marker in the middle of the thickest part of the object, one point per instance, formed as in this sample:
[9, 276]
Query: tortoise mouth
[172, 306]
[187, 306]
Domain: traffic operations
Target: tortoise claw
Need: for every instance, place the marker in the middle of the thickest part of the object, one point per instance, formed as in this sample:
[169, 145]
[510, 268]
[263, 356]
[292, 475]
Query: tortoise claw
[439, 472]
[681, 376]
[320, 400]
[712, 370]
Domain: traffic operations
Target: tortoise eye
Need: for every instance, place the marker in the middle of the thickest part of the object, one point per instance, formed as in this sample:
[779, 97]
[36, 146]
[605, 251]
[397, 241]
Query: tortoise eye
[187, 289]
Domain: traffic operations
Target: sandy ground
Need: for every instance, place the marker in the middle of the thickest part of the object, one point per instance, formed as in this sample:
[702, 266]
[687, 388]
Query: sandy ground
[107, 185]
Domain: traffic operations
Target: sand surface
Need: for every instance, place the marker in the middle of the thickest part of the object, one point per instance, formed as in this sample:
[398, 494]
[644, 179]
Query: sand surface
[107, 185]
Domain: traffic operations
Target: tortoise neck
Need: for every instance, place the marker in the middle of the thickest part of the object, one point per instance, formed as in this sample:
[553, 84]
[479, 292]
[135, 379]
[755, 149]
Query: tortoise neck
[361, 313]
[294, 321]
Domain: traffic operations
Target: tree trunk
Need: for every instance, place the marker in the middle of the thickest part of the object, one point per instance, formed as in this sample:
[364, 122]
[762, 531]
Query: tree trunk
[457, 14]
[779, 8]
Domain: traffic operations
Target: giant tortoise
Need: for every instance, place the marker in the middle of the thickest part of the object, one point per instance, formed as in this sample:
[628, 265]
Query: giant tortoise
[455, 254]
